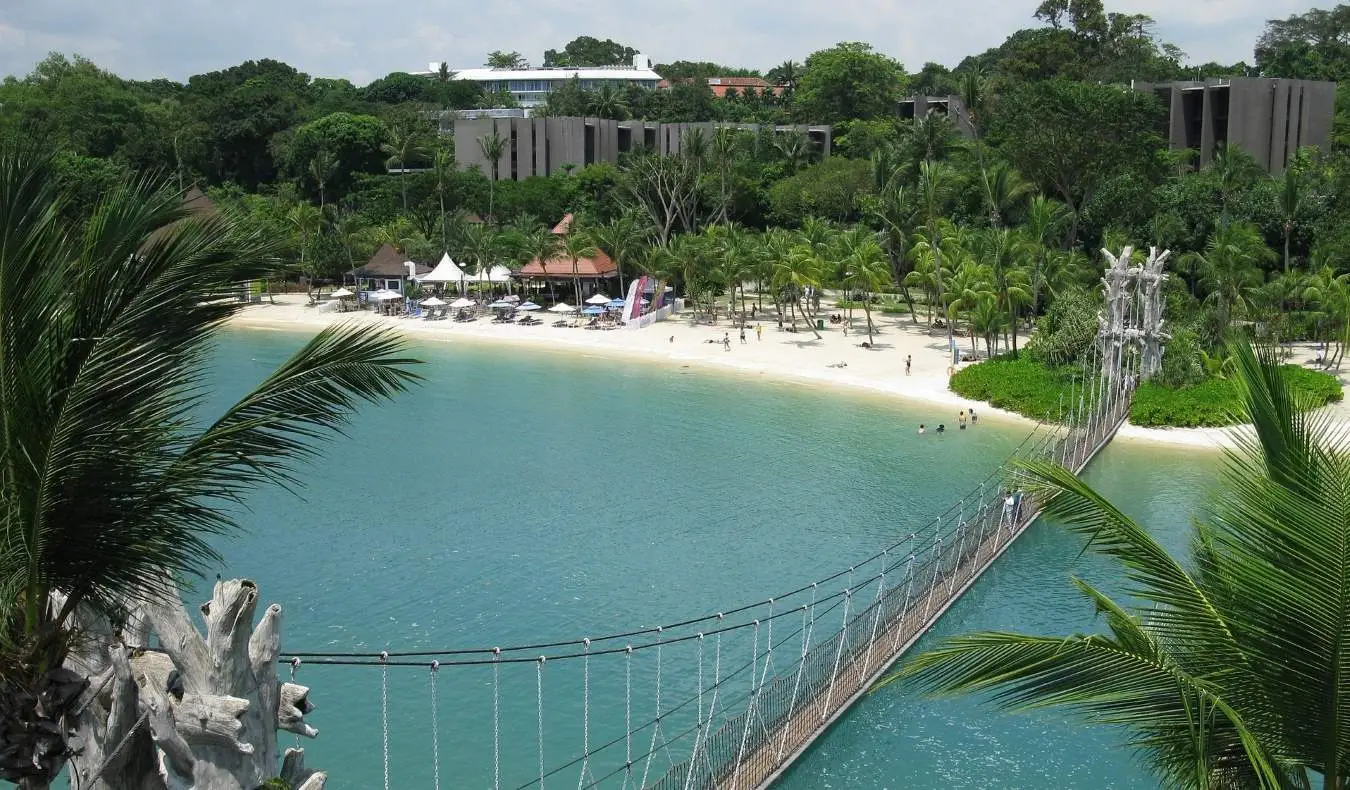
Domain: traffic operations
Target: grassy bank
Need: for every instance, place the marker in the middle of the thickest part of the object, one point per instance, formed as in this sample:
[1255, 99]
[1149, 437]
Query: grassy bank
[1034, 390]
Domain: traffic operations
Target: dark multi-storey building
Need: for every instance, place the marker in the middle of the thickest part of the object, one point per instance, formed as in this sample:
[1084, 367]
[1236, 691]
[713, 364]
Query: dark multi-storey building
[544, 146]
[1268, 118]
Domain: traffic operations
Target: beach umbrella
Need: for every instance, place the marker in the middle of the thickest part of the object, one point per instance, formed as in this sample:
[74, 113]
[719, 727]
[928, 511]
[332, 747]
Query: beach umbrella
[527, 306]
[461, 303]
[500, 304]
[562, 307]
[433, 302]
[384, 296]
[615, 303]
[598, 299]
[342, 293]
[593, 310]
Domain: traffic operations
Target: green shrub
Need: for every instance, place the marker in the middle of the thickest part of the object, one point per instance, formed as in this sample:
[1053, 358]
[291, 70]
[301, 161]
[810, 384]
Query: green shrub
[1212, 404]
[1067, 330]
[1021, 385]
[1026, 386]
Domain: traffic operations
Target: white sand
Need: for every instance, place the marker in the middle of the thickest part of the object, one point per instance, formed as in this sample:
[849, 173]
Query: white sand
[781, 355]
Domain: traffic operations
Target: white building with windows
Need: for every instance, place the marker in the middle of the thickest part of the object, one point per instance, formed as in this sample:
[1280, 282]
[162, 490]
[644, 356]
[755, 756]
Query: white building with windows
[531, 87]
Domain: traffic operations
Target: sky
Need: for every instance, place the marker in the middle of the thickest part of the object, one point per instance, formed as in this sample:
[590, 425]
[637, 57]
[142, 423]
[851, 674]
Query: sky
[364, 39]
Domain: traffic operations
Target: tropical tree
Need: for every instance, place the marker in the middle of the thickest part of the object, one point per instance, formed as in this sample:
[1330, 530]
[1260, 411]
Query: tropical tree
[794, 147]
[1045, 222]
[493, 148]
[865, 269]
[541, 244]
[307, 221]
[1004, 191]
[795, 274]
[1291, 200]
[577, 244]
[482, 244]
[321, 168]
[350, 229]
[403, 146]
[1226, 667]
[624, 238]
[1230, 266]
[443, 164]
[934, 193]
[1003, 252]
[110, 486]
[608, 102]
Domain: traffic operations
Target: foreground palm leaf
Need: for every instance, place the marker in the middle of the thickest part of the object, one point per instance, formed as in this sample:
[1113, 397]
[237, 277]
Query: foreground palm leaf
[107, 481]
[1232, 670]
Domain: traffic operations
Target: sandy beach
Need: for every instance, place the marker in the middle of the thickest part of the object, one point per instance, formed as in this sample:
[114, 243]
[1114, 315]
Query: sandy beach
[777, 354]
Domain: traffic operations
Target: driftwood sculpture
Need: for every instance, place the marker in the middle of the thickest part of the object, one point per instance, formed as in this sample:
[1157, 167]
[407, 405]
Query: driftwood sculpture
[201, 712]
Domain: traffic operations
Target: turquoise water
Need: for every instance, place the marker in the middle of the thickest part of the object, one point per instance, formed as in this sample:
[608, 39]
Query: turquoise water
[522, 497]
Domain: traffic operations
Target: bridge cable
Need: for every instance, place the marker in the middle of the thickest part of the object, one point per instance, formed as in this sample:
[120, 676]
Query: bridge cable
[384, 713]
[435, 729]
[539, 698]
[496, 721]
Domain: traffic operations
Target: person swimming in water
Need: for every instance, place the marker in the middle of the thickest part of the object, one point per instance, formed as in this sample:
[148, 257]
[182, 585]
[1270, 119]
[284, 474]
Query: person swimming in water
[921, 428]
[941, 428]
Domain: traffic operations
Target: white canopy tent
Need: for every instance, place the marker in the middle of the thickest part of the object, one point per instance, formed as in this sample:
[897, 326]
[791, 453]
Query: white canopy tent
[445, 272]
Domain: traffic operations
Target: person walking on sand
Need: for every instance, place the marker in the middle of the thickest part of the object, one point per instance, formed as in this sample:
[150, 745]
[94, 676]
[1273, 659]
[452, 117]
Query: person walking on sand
[961, 419]
[759, 332]
[909, 360]
[726, 341]
[742, 334]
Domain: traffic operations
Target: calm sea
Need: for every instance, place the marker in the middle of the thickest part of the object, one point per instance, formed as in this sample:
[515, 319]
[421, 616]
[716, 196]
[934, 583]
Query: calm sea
[519, 497]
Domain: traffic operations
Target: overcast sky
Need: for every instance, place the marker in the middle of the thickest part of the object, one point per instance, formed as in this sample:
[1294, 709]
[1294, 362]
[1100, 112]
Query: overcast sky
[364, 39]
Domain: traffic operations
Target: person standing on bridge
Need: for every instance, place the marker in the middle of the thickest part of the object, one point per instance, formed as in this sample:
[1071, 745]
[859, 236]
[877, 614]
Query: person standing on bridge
[1009, 503]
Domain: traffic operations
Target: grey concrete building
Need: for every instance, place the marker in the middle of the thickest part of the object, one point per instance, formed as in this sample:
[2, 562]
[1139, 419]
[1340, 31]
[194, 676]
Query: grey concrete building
[1268, 118]
[543, 146]
[952, 107]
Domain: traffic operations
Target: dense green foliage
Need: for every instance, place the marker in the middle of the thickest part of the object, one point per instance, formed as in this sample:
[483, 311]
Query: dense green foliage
[1217, 402]
[1021, 385]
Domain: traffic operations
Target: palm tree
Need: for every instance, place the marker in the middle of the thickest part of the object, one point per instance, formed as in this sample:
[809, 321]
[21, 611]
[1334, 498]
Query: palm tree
[795, 149]
[321, 169]
[403, 146]
[443, 163]
[577, 244]
[1003, 251]
[795, 274]
[865, 269]
[609, 102]
[932, 136]
[541, 244]
[1226, 666]
[349, 228]
[109, 487]
[1291, 200]
[481, 243]
[1044, 223]
[935, 189]
[972, 96]
[623, 239]
[1230, 266]
[1004, 191]
[493, 148]
[307, 221]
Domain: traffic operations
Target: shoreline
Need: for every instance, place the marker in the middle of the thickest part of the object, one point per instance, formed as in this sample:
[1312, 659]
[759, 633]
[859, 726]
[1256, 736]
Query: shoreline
[779, 356]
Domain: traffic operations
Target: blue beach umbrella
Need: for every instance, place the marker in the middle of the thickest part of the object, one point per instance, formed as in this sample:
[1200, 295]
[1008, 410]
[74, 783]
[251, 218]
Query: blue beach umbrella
[592, 311]
[616, 303]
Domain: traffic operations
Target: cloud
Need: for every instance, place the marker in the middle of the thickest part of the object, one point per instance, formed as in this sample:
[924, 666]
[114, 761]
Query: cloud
[364, 39]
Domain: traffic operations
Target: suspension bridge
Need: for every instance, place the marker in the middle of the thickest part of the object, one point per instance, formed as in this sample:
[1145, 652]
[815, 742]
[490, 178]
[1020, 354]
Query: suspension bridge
[731, 699]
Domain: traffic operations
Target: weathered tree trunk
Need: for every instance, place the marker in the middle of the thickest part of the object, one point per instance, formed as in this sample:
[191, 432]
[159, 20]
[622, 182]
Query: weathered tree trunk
[202, 714]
